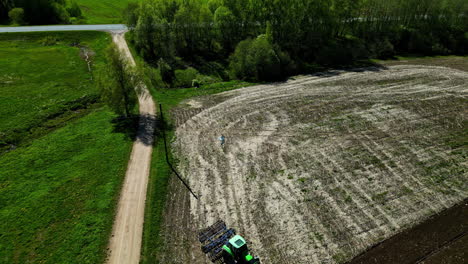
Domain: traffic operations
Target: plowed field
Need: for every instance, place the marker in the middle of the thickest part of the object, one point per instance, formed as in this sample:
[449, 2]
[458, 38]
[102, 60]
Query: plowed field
[319, 168]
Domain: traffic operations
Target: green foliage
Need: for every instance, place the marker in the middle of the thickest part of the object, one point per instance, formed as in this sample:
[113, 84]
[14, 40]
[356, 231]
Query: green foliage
[185, 78]
[255, 60]
[61, 13]
[74, 10]
[40, 83]
[224, 20]
[58, 195]
[49, 41]
[117, 83]
[130, 14]
[16, 15]
[152, 76]
[308, 32]
[5, 6]
[166, 71]
[42, 12]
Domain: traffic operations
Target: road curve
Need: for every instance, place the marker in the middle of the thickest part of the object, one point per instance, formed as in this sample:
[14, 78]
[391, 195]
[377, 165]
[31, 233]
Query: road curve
[125, 242]
[109, 27]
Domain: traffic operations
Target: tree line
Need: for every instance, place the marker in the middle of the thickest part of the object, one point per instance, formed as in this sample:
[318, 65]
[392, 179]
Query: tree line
[271, 39]
[37, 12]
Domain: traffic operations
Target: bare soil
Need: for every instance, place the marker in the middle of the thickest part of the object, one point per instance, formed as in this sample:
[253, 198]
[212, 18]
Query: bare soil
[440, 239]
[322, 167]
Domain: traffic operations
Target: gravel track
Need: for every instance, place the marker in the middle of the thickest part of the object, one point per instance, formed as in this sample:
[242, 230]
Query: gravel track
[319, 168]
[125, 242]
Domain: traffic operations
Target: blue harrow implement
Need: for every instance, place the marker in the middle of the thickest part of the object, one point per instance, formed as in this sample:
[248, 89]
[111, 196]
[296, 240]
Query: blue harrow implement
[222, 245]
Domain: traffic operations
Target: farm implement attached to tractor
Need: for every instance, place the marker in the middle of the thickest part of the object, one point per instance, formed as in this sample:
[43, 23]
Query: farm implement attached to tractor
[223, 246]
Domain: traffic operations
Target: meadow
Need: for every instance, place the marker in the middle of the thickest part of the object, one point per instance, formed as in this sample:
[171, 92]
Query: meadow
[64, 155]
[57, 195]
[104, 11]
[43, 77]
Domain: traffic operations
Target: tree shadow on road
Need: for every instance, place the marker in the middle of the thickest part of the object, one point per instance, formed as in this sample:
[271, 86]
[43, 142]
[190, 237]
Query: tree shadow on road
[126, 125]
[144, 128]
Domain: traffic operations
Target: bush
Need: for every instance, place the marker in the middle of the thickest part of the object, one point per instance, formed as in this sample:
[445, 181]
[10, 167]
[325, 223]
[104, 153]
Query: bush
[166, 71]
[214, 69]
[383, 49]
[196, 83]
[16, 15]
[61, 13]
[185, 78]
[74, 10]
[205, 79]
[255, 60]
[153, 76]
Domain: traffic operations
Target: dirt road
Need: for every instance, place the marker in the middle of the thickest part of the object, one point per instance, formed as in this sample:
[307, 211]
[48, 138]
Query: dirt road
[125, 243]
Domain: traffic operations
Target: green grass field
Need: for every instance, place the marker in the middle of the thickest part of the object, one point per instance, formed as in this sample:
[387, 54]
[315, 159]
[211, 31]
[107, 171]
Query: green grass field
[57, 196]
[103, 11]
[39, 82]
[58, 191]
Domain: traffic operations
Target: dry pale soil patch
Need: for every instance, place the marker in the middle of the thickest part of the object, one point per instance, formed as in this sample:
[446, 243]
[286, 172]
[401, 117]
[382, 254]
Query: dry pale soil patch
[319, 168]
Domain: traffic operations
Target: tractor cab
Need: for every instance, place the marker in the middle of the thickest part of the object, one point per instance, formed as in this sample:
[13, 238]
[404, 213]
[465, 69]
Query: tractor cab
[223, 246]
[236, 252]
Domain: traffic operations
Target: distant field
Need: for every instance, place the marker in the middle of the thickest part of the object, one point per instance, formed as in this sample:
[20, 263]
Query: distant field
[103, 11]
[40, 82]
[57, 195]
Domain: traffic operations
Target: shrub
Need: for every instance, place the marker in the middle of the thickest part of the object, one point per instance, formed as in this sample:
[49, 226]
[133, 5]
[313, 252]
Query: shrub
[16, 15]
[74, 10]
[205, 79]
[152, 76]
[255, 60]
[166, 71]
[61, 13]
[384, 49]
[214, 69]
[184, 78]
[196, 83]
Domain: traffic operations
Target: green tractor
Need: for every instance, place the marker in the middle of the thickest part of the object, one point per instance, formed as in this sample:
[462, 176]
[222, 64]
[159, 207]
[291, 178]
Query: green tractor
[236, 252]
[223, 246]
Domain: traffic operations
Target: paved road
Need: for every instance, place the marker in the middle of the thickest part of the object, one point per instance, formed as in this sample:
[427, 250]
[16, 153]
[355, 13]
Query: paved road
[110, 27]
[126, 239]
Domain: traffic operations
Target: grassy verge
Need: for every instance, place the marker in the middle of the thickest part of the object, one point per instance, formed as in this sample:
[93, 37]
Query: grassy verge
[58, 195]
[103, 11]
[44, 77]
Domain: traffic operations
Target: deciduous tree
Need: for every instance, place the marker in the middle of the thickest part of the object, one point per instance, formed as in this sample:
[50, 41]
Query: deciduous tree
[118, 83]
